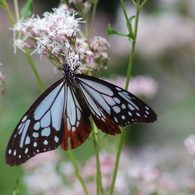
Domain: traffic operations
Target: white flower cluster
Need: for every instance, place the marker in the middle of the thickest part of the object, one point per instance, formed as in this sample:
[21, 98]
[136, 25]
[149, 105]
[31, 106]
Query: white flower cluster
[55, 36]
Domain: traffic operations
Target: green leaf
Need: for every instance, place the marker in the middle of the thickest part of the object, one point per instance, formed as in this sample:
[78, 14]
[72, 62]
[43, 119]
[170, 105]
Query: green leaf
[3, 5]
[16, 189]
[27, 9]
[131, 18]
[111, 31]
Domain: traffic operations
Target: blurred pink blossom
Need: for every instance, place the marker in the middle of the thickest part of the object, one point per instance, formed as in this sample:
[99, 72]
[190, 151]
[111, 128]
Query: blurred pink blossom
[140, 85]
[42, 159]
[53, 178]
[190, 144]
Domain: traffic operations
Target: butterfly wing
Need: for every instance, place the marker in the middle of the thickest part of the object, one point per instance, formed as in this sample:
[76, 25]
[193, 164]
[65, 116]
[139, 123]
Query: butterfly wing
[109, 101]
[39, 130]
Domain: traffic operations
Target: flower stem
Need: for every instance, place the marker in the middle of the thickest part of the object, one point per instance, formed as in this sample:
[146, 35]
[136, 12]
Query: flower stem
[34, 69]
[77, 172]
[132, 53]
[7, 9]
[120, 145]
[92, 17]
[16, 10]
[98, 166]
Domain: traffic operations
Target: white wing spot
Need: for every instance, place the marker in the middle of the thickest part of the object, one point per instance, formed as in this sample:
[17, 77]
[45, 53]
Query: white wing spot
[115, 119]
[116, 109]
[77, 123]
[24, 118]
[118, 89]
[56, 139]
[37, 126]
[123, 106]
[45, 142]
[46, 132]
[35, 144]
[35, 134]
[68, 124]
[14, 153]
[26, 151]
[129, 113]
[137, 114]
[123, 117]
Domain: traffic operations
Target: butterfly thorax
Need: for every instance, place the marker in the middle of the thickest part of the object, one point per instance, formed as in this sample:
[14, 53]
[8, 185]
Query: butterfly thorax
[68, 74]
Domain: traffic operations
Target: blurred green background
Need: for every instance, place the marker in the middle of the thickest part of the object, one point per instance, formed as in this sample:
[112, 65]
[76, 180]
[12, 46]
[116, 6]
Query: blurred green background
[165, 50]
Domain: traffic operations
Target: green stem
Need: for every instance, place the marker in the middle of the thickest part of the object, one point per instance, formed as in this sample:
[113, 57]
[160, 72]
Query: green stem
[34, 69]
[92, 18]
[16, 10]
[126, 17]
[7, 9]
[120, 145]
[142, 4]
[77, 172]
[98, 165]
[132, 52]
[2, 98]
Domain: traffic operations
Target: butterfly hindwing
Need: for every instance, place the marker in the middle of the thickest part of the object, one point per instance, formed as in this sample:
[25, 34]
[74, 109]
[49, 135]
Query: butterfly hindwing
[39, 129]
[76, 122]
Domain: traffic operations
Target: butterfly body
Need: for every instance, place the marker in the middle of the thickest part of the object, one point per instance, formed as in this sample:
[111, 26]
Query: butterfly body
[60, 116]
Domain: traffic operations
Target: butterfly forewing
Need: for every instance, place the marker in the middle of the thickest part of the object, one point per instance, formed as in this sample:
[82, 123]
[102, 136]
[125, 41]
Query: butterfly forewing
[101, 118]
[39, 130]
[121, 106]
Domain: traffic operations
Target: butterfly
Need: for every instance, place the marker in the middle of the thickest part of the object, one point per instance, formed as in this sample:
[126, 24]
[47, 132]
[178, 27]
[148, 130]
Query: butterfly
[60, 116]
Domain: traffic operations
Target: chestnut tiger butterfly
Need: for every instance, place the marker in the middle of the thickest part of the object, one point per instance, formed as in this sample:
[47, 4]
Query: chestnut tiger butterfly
[60, 116]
